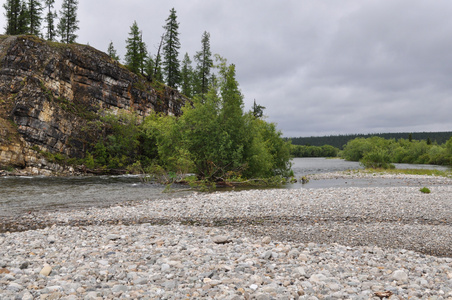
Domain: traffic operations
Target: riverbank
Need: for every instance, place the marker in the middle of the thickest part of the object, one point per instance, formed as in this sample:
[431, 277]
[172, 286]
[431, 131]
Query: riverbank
[341, 243]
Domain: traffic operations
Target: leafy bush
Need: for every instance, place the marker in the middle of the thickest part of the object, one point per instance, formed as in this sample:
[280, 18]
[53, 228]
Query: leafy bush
[377, 159]
[425, 190]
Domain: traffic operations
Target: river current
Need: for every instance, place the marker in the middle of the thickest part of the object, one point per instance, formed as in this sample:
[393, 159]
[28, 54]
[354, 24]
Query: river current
[20, 195]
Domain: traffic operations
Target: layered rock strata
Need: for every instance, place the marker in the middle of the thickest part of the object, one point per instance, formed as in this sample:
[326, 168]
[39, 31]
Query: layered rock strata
[51, 93]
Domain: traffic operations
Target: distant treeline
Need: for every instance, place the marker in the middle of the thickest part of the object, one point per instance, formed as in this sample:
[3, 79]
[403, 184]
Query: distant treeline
[339, 141]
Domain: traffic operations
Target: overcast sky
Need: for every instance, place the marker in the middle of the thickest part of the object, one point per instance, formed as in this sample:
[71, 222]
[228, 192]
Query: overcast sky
[319, 67]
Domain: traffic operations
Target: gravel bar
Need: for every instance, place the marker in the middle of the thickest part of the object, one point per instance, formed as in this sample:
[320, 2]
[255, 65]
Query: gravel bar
[333, 243]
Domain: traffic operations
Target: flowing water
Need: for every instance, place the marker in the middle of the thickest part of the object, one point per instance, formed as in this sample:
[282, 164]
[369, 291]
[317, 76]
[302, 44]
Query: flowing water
[23, 194]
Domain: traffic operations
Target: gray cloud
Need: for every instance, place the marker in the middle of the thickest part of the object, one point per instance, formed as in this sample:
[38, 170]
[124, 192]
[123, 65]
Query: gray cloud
[319, 67]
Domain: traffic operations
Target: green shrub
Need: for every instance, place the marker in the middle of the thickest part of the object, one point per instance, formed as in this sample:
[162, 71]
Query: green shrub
[377, 159]
[425, 190]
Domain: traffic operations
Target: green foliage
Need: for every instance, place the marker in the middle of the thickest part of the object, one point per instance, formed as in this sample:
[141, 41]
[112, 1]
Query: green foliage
[204, 64]
[425, 190]
[377, 159]
[17, 17]
[313, 151]
[34, 16]
[171, 64]
[111, 51]
[339, 141]
[258, 110]
[379, 152]
[136, 50]
[50, 17]
[216, 140]
[187, 77]
[68, 24]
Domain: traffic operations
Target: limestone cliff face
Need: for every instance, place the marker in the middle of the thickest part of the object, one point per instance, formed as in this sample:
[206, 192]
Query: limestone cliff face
[50, 92]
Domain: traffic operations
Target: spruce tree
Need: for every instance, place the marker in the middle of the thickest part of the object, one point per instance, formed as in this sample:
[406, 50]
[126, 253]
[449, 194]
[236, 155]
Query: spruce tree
[204, 63]
[187, 77]
[112, 52]
[136, 50]
[34, 15]
[50, 17]
[68, 24]
[171, 64]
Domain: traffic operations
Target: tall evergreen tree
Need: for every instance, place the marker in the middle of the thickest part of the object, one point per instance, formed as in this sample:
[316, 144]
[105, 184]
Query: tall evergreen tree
[171, 64]
[204, 63]
[112, 52]
[34, 14]
[68, 24]
[12, 13]
[136, 50]
[187, 77]
[50, 17]
[24, 19]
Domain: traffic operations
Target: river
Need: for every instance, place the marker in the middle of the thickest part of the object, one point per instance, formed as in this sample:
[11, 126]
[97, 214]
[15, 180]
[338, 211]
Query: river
[24, 194]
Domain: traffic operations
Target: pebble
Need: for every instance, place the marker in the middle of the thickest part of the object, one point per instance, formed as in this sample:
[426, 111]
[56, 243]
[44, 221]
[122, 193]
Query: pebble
[343, 243]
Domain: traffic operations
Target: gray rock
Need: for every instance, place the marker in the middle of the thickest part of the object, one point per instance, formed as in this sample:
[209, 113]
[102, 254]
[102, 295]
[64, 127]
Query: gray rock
[400, 275]
[119, 288]
[221, 239]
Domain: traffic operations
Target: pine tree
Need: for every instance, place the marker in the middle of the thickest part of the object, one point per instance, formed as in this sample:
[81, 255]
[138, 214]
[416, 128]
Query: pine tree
[204, 63]
[136, 50]
[34, 15]
[187, 76]
[112, 52]
[68, 22]
[50, 17]
[171, 64]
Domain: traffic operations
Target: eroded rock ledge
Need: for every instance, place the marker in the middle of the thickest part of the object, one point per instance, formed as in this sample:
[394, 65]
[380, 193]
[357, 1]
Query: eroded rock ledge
[50, 93]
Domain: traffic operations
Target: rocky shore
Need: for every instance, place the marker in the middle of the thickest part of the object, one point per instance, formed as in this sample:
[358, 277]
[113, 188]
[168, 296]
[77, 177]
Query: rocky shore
[335, 243]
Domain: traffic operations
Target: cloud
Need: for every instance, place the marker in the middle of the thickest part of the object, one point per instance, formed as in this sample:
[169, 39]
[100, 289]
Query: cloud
[319, 67]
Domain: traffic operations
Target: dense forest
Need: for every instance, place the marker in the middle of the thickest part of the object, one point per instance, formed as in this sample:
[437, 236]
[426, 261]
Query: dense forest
[338, 141]
[377, 152]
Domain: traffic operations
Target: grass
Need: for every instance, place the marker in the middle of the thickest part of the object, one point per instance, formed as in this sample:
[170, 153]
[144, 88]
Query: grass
[427, 172]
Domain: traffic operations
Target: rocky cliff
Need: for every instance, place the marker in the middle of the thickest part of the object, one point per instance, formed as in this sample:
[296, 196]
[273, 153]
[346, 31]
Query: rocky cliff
[50, 93]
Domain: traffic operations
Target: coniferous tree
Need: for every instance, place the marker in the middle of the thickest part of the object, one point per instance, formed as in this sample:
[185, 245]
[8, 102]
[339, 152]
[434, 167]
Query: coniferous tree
[50, 17]
[204, 63]
[34, 15]
[12, 13]
[258, 110]
[149, 68]
[24, 19]
[136, 50]
[112, 52]
[187, 77]
[68, 24]
[171, 64]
